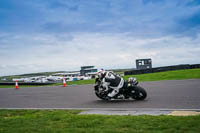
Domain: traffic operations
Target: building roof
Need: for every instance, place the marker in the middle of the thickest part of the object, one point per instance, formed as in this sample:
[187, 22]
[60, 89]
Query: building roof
[144, 59]
[90, 69]
[87, 66]
[68, 73]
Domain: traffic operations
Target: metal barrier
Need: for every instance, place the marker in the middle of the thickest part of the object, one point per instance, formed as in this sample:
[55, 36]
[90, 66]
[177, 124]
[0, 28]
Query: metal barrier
[162, 69]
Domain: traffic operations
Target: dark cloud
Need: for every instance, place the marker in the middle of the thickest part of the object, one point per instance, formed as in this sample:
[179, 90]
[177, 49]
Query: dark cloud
[192, 21]
[193, 3]
[189, 25]
[62, 5]
[19, 16]
[153, 1]
[62, 27]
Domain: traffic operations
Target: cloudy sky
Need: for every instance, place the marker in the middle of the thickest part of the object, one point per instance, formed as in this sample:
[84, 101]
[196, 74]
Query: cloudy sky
[54, 35]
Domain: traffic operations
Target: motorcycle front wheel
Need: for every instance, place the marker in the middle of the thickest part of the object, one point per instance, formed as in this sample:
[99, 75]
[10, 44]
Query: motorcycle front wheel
[101, 97]
[138, 93]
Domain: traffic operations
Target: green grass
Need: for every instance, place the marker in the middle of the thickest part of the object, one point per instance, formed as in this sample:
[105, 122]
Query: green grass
[169, 75]
[68, 121]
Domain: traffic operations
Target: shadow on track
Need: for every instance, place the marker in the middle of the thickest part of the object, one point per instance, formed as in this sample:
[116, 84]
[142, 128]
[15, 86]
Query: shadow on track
[120, 101]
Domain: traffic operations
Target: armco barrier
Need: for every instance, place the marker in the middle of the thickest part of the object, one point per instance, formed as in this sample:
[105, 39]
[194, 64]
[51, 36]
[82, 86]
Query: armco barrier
[162, 69]
[194, 66]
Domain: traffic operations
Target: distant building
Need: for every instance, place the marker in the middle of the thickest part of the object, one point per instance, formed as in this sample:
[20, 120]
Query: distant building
[68, 74]
[88, 70]
[143, 63]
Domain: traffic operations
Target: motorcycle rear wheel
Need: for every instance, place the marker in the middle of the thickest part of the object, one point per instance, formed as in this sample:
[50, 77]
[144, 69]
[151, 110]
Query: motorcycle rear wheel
[138, 93]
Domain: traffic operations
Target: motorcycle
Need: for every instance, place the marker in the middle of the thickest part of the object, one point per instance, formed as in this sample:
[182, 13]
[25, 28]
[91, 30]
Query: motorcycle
[130, 89]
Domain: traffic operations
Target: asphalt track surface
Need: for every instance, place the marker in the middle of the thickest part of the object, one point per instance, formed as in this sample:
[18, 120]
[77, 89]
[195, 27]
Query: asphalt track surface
[174, 94]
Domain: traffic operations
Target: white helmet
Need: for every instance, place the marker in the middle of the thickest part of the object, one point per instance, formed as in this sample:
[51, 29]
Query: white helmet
[132, 79]
[101, 72]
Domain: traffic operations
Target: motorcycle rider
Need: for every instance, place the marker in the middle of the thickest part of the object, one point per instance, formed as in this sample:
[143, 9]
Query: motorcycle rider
[111, 80]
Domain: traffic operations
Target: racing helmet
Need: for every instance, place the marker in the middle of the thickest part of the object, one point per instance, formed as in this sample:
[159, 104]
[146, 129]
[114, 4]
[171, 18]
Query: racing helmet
[101, 73]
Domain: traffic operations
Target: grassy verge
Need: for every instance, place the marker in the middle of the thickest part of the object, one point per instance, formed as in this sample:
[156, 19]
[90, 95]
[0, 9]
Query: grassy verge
[169, 75]
[63, 121]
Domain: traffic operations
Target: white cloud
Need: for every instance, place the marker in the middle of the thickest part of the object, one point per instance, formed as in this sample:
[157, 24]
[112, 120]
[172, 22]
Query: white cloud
[48, 52]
